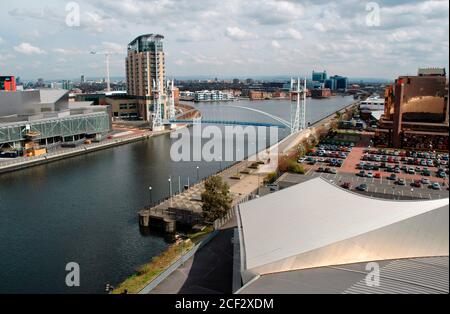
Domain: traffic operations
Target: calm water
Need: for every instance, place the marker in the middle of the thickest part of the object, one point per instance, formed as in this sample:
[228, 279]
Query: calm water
[83, 209]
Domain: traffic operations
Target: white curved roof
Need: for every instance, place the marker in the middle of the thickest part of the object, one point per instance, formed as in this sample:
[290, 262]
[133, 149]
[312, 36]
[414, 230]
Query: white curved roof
[316, 224]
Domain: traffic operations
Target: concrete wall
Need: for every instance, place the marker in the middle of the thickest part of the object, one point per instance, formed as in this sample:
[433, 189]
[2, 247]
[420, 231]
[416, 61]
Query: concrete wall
[19, 102]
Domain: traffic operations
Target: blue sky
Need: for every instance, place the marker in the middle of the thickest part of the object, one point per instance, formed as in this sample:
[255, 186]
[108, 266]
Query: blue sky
[227, 37]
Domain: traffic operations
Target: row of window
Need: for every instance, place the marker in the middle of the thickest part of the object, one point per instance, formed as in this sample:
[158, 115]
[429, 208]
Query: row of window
[127, 106]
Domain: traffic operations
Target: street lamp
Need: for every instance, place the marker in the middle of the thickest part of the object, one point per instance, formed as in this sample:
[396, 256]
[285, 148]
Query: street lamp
[198, 176]
[220, 159]
[151, 198]
[170, 190]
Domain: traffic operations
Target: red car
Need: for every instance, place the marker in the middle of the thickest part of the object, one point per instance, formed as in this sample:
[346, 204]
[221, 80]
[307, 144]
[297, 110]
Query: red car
[416, 184]
[377, 175]
[346, 185]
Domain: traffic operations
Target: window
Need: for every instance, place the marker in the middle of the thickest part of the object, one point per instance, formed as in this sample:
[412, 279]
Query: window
[123, 106]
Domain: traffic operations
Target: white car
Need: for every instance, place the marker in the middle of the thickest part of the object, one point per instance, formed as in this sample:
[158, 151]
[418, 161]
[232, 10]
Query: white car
[301, 160]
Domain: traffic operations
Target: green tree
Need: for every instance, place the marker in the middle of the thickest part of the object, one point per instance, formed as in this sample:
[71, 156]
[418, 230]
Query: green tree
[216, 199]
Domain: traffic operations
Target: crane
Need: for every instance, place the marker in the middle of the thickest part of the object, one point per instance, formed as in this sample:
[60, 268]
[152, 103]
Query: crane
[106, 54]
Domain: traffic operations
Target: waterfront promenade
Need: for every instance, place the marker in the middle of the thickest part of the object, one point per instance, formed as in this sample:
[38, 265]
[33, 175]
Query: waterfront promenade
[210, 269]
[25, 162]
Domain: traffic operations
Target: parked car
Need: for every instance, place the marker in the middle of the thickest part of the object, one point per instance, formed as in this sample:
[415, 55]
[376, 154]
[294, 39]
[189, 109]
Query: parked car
[435, 186]
[401, 181]
[321, 169]
[417, 184]
[426, 173]
[362, 173]
[346, 185]
[377, 175]
[369, 175]
[362, 187]
[393, 177]
[425, 181]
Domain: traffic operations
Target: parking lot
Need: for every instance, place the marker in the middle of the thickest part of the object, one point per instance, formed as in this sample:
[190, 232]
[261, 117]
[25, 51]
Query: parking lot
[383, 188]
[382, 174]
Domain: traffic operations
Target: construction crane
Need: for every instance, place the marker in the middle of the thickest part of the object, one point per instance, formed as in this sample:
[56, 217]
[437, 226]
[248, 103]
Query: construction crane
[106, 54]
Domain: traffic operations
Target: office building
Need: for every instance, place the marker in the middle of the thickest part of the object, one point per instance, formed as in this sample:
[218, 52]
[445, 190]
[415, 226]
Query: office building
[416, 112]
[337, 83]
[319, 76]
[145, 73]
[7, 83]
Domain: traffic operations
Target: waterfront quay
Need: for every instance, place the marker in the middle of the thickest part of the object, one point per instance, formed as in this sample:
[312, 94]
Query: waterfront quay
[185, 208]
[7, 165]
[244, 178]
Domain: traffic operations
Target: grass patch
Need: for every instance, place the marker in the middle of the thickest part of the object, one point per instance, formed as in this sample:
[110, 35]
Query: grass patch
[196, 237]
[150, 271]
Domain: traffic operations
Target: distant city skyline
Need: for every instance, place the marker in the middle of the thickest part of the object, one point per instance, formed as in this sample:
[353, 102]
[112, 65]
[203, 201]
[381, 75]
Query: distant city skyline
[226, 38]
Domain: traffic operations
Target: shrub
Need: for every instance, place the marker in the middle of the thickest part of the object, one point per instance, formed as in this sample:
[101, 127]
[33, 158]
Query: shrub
[271, 178]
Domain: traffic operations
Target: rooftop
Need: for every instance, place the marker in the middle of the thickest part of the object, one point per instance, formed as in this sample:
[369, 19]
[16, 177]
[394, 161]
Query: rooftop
[321, 224]
[401, 276]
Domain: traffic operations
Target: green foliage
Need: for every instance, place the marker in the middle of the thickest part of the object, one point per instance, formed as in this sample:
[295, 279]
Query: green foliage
[296, 167]
[216, 199]
[289, 164]
[271, 178]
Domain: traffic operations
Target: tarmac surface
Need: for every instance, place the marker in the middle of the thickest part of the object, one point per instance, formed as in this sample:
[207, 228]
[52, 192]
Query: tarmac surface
[209, 271]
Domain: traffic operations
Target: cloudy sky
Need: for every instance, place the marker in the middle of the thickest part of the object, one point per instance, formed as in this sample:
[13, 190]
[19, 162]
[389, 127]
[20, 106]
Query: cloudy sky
[226, 38]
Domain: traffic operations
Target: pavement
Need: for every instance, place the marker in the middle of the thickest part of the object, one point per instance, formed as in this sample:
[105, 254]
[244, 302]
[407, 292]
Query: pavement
[209, 271]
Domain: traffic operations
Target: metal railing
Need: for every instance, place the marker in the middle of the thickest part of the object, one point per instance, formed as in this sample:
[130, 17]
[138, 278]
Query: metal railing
[68, 151]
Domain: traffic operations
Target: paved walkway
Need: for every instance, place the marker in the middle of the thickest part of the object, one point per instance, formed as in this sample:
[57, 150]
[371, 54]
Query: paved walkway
[207, 272]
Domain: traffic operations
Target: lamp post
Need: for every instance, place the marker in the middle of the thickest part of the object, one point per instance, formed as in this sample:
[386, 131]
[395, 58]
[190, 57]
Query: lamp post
[220, 160]
[198, 176]
[151, 198]
[170, 190]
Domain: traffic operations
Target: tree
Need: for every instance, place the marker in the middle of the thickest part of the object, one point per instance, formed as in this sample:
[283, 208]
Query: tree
[216, 199]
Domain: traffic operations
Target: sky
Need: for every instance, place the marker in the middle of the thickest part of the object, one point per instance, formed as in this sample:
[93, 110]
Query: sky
[226, 38]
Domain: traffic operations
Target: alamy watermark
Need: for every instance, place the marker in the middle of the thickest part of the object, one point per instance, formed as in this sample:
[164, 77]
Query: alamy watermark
[228, 143]
[373, 17]
[73, 275]
[73, 14]
[373, 277]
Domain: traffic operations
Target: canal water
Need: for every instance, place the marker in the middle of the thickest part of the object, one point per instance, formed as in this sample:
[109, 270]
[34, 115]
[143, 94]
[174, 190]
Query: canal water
[83, 209]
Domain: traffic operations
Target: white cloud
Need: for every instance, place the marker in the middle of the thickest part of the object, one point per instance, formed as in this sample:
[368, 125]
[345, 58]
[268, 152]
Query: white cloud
[275, 44]
[113, 48]
[237, 33]
[65, 51]
[290, 33]
[28, 49]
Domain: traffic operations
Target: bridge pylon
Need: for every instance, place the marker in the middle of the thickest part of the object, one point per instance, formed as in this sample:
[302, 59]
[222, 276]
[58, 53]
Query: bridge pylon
[298, 110]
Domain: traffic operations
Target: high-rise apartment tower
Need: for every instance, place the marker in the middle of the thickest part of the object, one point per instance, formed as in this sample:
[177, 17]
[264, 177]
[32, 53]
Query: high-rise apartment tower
[145, 70]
